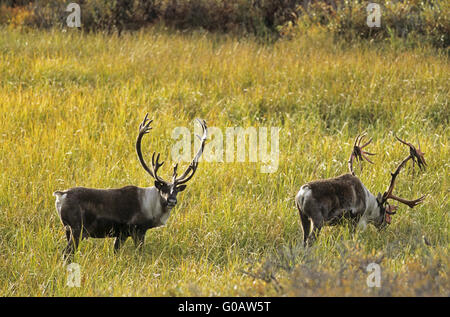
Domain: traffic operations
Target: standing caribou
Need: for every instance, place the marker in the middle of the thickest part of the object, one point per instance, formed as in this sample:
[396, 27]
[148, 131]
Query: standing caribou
[327, 201]
[126, 211]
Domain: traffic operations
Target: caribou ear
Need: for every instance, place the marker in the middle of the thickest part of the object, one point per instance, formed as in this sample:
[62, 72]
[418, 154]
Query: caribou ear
[379, 198]
[181, 188]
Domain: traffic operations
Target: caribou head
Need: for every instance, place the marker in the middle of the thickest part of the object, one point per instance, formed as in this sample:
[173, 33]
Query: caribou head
[387, 210]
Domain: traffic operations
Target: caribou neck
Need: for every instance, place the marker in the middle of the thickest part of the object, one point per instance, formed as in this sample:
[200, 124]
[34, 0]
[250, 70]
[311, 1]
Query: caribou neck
[372, 211]
[153, 204]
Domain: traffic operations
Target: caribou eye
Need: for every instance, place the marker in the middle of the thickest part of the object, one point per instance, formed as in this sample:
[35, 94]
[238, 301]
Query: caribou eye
[162, 187]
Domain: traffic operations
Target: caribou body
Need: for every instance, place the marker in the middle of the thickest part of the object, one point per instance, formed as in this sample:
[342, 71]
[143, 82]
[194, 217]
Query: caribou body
[328, 201]
[127, 211]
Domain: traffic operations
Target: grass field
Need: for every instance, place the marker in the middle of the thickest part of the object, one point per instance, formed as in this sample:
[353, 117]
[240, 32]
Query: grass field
[70, 106]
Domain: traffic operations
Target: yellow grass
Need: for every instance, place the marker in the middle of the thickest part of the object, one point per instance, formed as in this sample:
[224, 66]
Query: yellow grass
[70, 105]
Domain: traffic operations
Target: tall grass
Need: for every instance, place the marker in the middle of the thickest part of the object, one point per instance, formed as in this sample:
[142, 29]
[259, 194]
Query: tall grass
[70, 105]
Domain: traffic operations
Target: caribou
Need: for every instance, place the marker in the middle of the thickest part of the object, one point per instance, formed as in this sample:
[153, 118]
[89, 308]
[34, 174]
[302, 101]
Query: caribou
[329, 201]
[127, 211]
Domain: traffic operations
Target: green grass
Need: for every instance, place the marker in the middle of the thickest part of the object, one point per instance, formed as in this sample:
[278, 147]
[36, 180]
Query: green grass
[70, 105]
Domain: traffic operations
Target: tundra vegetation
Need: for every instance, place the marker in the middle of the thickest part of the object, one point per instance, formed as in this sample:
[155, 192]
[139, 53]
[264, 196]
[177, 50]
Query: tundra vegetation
[70, 103]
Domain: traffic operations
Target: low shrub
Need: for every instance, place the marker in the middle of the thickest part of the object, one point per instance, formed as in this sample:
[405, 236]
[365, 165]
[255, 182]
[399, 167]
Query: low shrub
[410, 19]
[414, 20]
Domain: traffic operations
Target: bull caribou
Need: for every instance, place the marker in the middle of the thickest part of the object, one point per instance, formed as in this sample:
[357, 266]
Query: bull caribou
[126, 211]
[328, 201]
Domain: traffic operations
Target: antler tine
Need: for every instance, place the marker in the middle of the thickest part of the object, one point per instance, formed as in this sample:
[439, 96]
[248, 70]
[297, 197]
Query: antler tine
[366, 144]
[157, 160]
[353, 155]
[420, 157]
[361, 137]
[156, 165]
[390, 209]
[416, 154]
[144, 121]
[409, 203]
[363, 154]
[358, 153]
[404, 142]
[358, 139]
[192, 168]
[174, 176]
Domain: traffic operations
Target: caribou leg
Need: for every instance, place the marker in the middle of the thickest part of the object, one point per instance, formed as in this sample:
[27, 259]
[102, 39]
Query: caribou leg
[119, 241]
[306, 225]
[138, 239]
[73, 239]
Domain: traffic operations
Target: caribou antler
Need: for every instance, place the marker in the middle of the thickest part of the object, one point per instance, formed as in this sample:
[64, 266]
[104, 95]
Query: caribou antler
[144, 128]
[390, 210]
[156, 165]
[190, 171]
[358, 153]
[415, 155]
